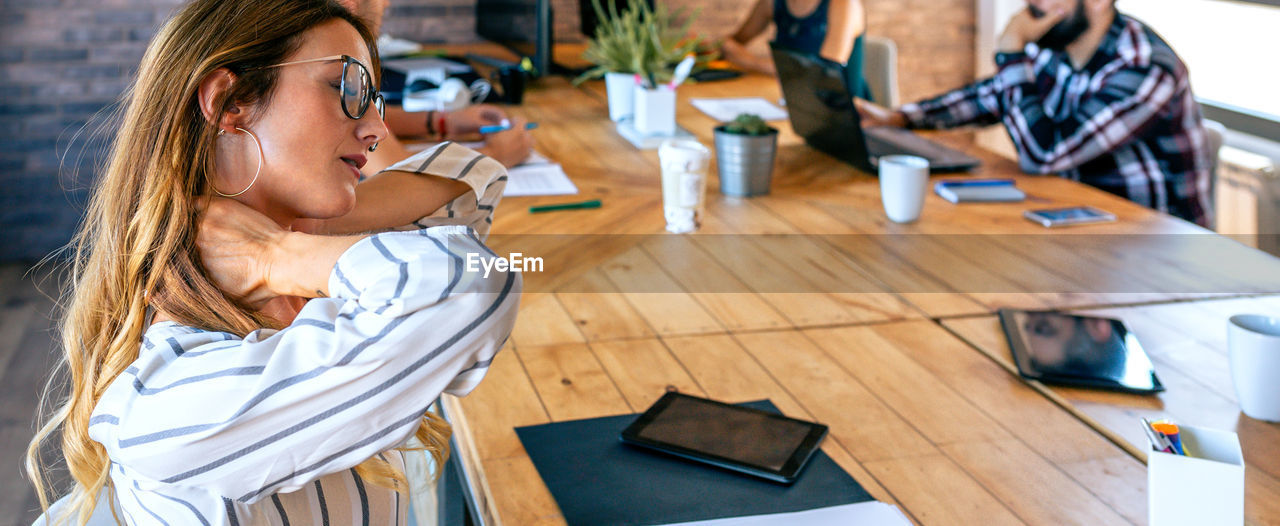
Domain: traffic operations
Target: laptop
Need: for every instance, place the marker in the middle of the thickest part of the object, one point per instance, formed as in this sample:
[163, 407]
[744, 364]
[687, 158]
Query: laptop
[821, 110]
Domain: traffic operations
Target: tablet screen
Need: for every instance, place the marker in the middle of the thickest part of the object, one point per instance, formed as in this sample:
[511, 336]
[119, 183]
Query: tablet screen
[732, 437]
[1078, 349]
[746, 436]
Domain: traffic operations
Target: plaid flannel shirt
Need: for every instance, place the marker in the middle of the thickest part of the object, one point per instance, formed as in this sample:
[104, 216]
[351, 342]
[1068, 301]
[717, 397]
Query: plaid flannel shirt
[1126, 122]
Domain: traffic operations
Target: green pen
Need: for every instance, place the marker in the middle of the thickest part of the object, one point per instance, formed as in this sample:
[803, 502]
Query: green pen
[594, 203]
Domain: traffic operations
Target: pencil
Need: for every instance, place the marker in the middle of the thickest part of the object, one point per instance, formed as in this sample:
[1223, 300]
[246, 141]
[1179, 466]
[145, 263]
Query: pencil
[594, 203]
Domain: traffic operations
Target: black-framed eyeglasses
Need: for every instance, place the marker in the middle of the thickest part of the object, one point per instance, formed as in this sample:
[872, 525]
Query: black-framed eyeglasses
[356, 91]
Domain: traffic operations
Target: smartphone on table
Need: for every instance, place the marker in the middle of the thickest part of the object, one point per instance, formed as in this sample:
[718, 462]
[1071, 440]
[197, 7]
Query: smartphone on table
[1075, 215]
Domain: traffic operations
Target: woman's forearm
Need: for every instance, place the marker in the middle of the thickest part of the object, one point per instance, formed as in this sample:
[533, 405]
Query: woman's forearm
[390, 200]
[300, 264]
[406, 123]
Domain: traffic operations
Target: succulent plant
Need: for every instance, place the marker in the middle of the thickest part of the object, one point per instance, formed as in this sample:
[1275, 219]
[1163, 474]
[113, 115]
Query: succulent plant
[747, 124]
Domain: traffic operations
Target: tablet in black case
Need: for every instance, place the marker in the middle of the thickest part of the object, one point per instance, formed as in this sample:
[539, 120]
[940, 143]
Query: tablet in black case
[1084, 351]
[750, 441]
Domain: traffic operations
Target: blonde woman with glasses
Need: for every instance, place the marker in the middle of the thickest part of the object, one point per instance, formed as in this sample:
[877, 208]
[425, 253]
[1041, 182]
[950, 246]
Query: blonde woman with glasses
[228, 363]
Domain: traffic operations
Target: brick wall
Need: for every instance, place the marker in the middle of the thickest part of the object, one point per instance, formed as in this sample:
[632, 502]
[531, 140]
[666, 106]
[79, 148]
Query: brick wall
[62, 61]
[935, 38]
[434, 21]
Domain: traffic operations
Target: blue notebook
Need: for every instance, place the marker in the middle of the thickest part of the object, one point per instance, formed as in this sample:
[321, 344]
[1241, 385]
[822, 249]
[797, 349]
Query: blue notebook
[979, 190]
[598, 480]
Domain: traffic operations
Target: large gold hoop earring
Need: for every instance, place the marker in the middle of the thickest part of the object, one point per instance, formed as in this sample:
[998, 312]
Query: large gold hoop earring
[255, 173]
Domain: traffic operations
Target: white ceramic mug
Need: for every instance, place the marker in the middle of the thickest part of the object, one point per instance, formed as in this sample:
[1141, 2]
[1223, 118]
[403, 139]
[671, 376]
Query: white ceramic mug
[684, 183]
[1253, 341]
[904, 179]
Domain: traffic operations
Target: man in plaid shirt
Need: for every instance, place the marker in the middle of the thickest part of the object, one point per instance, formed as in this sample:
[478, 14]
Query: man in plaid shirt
[1089, 93]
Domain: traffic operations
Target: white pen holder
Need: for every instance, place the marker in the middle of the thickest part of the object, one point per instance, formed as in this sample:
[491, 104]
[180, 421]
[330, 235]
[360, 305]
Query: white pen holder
[620, 89]
[1205, 487]
[655, 111]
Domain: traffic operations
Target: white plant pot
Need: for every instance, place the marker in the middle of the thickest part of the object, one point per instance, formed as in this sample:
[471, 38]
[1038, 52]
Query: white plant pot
[620, 89]
[655, 111]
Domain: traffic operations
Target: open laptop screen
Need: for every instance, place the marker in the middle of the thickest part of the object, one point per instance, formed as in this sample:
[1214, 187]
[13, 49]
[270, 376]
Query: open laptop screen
[822, 111]
[820, 106]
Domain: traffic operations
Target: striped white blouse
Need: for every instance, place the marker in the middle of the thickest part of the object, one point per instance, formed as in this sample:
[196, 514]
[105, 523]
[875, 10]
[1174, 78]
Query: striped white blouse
[207, 428]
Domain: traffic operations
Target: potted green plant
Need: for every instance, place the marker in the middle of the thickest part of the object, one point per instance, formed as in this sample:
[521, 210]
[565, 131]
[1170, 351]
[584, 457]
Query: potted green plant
[745, 150]
[638, 46]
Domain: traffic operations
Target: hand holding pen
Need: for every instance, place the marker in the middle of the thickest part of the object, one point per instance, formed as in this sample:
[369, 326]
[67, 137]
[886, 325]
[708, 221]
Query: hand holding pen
[504, 126]
[511, 144]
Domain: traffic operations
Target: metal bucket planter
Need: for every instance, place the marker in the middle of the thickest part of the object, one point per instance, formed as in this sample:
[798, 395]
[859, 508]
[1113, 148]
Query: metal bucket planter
[745, 162]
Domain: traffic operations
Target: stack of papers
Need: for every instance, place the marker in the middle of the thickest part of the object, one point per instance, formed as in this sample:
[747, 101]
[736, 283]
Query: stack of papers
[725, 110]
[537, 175]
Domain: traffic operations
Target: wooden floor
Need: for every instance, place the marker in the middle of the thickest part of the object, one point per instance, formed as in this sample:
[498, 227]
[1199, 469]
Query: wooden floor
[28, 353]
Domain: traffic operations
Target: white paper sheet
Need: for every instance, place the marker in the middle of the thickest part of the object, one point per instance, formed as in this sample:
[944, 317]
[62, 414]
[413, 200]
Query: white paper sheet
[871, 513]
[726, 109]
[537, 175]
[538, 178]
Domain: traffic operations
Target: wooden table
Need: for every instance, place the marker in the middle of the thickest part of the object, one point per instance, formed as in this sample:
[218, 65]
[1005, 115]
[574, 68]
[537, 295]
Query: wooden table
[1187, 342]
[812, 298]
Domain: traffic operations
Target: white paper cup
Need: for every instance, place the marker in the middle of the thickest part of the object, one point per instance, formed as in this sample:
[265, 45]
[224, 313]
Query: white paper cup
[684, 183]
[1253, 342]
[904, 179]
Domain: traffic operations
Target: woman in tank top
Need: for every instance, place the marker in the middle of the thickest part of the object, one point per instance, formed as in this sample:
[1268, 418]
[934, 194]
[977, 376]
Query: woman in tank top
[832, 29]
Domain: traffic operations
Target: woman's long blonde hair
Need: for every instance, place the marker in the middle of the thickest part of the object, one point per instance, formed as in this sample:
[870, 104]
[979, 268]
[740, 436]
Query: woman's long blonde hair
[136, 246]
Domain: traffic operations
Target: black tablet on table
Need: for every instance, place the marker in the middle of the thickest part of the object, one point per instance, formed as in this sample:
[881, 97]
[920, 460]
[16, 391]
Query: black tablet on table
[750, 441]
[1082, 351]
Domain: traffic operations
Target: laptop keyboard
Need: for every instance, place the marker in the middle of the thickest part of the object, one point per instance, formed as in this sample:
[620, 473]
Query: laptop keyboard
[891, 141]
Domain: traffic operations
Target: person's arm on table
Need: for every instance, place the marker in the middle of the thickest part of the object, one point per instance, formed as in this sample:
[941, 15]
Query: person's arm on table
[509, 147]
[1128, 99]
[734, 48]
[975, 104]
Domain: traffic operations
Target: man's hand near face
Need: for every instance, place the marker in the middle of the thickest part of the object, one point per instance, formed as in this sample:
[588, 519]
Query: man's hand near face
[1024, 28]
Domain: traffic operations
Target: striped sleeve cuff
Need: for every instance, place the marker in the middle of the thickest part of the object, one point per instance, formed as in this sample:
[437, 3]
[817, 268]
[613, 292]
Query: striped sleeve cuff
[485, 176]
[359, 267]
[379, 256]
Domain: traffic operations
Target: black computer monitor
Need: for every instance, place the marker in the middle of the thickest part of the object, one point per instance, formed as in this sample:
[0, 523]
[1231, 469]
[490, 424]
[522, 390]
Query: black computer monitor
[524, 26]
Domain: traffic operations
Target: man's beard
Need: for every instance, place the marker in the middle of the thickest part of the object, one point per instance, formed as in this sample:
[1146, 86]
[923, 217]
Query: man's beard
[1064, 32]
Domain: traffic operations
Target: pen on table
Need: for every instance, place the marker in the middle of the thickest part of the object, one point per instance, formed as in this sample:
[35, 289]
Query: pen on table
[495, 128]
[594, 203]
